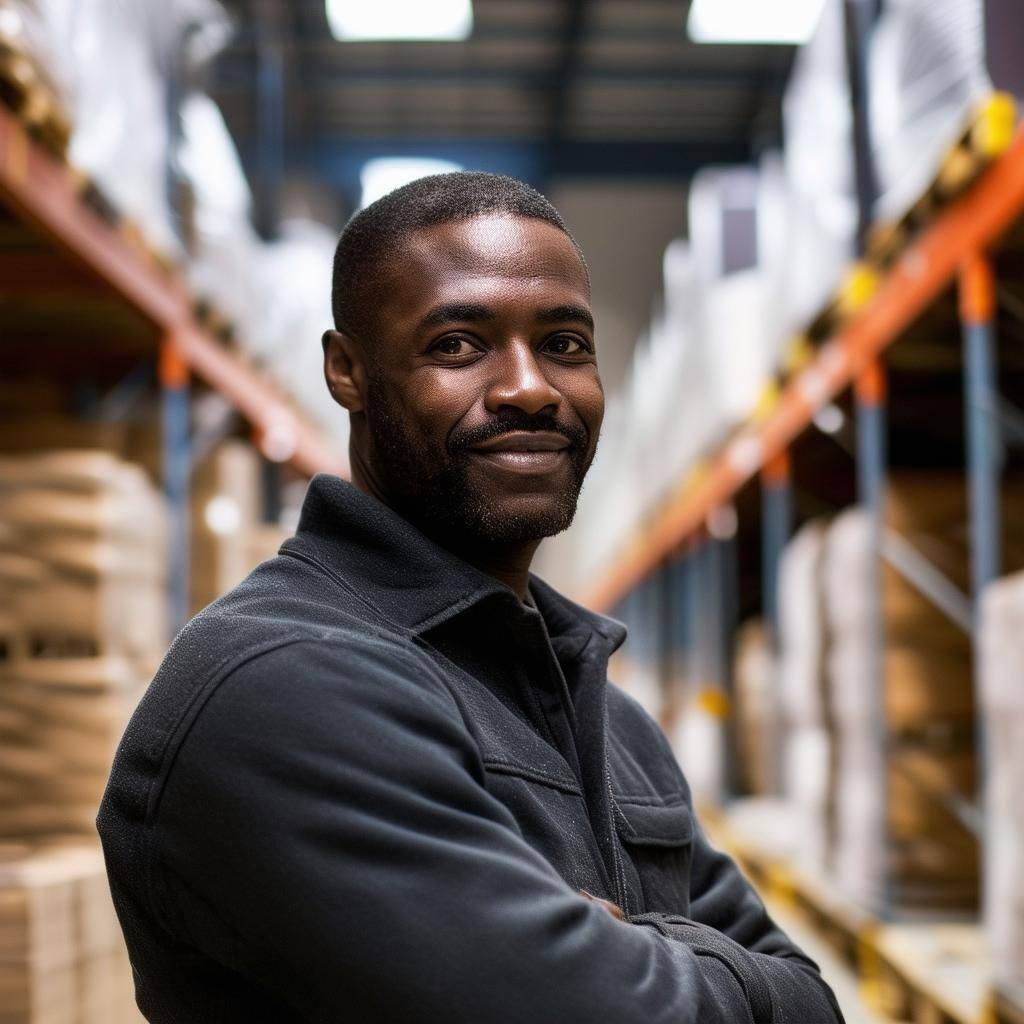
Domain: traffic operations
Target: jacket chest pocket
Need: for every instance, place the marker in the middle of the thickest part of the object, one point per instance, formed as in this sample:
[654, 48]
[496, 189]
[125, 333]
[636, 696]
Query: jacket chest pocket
[659, 841]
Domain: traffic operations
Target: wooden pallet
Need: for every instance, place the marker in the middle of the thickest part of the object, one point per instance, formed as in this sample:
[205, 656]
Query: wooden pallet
[1007, 1006]
[928, 972]
[24, 88]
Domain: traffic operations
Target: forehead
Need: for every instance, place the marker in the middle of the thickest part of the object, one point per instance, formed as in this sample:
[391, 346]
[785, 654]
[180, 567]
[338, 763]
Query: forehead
[492, 257]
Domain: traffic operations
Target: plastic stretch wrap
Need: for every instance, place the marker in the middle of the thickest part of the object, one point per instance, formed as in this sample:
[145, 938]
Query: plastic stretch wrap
[819, 168]
[1002, 651]
[294, 287]
[224, 249]
[926, 75]
[112, 60]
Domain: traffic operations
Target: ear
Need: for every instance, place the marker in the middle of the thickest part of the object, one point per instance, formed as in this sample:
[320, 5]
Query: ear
[344, 370]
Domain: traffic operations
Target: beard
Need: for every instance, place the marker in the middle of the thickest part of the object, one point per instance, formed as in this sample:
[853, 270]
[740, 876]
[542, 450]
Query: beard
[432, 484]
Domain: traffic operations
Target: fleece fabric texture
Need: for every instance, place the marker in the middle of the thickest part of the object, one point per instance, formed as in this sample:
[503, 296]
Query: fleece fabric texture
[367, 786]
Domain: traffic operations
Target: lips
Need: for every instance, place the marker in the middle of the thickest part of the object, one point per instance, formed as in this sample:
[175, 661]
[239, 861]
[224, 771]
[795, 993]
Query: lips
[525, 451]
[523, 441]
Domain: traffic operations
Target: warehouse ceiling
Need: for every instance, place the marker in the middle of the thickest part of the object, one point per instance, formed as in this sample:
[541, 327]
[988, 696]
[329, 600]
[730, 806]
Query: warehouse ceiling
[542, 89]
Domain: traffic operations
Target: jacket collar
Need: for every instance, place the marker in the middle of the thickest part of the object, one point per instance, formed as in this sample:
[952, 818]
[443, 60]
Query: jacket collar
[413, 581]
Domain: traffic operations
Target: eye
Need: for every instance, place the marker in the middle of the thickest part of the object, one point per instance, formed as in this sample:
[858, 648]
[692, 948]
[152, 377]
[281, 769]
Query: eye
[567, 345]
[454, 345]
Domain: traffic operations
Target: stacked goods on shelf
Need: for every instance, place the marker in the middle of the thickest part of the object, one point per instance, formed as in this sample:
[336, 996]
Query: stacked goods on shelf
[1001, 655]
[83, 623]
[227, 495]
[757, 718]
[821, 219]
[808, 775]
[927, 77]
[26, 84]
[62, 958]
[910, 749]
[111, 61]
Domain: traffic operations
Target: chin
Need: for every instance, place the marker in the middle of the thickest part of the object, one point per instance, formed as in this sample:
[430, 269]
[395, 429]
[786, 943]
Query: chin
[519, 519]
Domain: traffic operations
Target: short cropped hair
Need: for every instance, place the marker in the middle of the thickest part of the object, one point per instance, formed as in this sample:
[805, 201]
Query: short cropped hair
[373, 237]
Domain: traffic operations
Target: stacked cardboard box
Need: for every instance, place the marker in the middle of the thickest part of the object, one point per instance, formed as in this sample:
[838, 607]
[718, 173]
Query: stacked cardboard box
[82, 626]
[905, 744]
[1001, 655]
[807, 765]
[757, 719]
[82, 556]
[226, 505]
[62, 958]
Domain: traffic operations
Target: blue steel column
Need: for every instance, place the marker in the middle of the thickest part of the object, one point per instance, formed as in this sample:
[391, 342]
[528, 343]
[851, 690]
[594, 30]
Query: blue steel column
[174, 422]
[984, 455]
[776, 528]
[984, 463]
[870, 393]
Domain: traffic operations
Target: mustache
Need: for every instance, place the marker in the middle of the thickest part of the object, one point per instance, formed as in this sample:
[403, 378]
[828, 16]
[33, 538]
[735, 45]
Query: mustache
[507, 423]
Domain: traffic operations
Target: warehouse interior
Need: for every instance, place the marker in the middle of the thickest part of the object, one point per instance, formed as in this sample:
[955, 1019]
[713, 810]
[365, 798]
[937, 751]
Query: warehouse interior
[804, 225]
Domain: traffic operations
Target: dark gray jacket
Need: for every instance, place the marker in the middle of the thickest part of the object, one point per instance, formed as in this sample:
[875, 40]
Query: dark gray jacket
[367, 784]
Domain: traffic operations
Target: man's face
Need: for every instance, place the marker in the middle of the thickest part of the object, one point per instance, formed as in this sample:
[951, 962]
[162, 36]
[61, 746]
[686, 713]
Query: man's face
[483, 401]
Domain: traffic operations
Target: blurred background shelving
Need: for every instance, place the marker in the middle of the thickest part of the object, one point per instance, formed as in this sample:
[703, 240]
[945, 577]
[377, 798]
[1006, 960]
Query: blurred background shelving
[806, 257]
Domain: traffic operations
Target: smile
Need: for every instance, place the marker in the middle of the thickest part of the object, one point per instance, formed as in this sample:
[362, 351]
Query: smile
[524, 461]
[525, 451]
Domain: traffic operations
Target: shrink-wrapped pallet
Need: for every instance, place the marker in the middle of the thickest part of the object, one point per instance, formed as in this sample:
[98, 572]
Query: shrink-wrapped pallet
[819, 170]
[226, 506]
[808, 779]
[903, 711]
[1001, 656]
[758, 721]
[62, 957]
[112, 62]
[927, 75]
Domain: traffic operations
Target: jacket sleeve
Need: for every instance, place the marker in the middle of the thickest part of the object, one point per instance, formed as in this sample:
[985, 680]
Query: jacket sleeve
[326, 832]
[726, 912]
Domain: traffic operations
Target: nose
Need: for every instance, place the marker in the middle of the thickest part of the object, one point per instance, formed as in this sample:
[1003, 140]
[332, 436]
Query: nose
[520, 383]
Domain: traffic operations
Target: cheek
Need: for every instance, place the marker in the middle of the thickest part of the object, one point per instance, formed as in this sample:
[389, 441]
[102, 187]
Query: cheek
[585, 395]
[438, 400]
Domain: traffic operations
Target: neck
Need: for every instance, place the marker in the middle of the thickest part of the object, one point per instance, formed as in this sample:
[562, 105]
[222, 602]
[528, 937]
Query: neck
[507, 563]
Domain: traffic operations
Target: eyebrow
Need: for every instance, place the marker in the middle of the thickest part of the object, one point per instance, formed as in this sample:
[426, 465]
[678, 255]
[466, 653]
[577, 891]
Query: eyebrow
[559, 314]
[472, 312]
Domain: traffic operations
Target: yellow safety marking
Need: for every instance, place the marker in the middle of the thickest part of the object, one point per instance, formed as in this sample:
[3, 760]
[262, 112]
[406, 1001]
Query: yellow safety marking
[799, 353]
[713, 701]
[767, 401]
[994, 126]
[17, 153]
[858, 288]
[780, 885]
[869, 965]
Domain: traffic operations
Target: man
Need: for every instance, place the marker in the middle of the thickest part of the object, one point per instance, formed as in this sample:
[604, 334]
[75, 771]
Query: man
[385, 779]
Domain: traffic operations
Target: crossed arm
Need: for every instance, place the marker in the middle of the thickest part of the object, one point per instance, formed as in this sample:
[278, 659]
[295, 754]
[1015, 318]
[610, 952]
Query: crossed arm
[325, 830]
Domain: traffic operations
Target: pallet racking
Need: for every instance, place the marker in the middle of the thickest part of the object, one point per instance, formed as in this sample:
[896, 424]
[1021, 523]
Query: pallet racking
[968, 251]
[58, 256]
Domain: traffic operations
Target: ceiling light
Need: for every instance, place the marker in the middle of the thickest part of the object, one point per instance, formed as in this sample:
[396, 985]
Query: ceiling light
[383, 175]
[400, 19]
[753, 21]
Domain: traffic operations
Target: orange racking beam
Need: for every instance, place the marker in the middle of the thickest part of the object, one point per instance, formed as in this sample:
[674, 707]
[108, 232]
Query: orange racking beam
[41, 191]
[970, 225]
